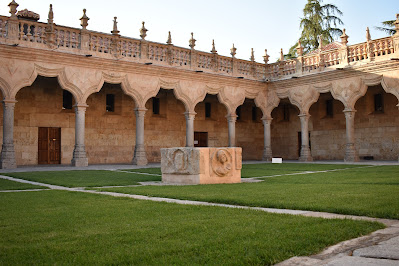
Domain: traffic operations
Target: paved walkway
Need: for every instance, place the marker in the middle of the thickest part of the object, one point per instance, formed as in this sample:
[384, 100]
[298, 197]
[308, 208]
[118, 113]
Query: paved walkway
[379, 248]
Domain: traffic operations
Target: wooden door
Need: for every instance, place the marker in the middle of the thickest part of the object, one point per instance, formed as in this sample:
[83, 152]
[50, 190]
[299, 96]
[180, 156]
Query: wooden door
[49, 145]
[200, 139]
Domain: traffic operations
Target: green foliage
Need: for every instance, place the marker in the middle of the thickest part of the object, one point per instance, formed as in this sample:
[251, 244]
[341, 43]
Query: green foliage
[74, 228]
[319, 20]
[388, 27]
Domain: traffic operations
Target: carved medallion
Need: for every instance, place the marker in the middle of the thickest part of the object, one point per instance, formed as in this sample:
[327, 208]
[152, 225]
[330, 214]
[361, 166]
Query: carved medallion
[221, 162]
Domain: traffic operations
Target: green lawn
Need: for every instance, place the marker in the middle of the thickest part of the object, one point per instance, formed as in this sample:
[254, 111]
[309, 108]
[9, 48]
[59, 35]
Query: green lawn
[59, 227]
[12, 185]
[371, 191]
[269, 169]
[155, 171]
[87, 178]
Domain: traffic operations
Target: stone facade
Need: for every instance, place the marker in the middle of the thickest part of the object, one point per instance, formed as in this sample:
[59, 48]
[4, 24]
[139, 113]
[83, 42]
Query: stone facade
[336, 103]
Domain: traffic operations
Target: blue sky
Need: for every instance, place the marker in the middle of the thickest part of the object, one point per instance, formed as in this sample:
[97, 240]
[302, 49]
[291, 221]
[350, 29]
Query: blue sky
[258, 24]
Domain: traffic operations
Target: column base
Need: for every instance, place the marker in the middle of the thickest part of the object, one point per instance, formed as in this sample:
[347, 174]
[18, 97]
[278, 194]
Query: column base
[79, 156]
[80, 162]
[7, 157]
[306, 156]
[140, 156]
[267, 155]
[351, 154]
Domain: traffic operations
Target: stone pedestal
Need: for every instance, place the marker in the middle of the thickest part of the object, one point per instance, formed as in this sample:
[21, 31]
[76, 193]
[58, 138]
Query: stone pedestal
[188, 165]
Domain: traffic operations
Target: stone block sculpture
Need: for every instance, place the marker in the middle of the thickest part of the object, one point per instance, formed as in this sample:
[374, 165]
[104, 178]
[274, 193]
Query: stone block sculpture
[188, 165]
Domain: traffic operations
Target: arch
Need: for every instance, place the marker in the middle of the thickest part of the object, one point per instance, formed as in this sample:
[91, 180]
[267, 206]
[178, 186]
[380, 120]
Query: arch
[59, 73]
[348, 91]
[231, 97]
[267, 100]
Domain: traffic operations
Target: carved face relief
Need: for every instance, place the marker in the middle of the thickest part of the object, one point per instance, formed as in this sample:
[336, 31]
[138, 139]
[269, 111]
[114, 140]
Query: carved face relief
[221, 162]
[179, 160]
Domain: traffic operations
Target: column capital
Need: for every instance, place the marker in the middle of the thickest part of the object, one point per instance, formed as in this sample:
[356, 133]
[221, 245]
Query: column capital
[304, 115]
[231, 117]
[349, 110]
[81, 105]
[267, 120]
[190, 115]
[140, 109]
[10, 101]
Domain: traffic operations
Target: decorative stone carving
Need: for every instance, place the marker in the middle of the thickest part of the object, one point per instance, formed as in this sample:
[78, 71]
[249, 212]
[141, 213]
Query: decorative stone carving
[201, 165]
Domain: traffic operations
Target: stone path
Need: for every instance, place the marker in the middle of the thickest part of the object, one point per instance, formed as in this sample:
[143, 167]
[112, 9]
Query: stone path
[379, 248]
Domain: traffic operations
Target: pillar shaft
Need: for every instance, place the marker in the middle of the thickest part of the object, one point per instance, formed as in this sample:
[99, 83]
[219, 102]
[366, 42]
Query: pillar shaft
[267, 149]
[306, 155]
[232, 118]
[140, 156]
[79, 152]
[350, 151]
[190, 116]
[7, 158]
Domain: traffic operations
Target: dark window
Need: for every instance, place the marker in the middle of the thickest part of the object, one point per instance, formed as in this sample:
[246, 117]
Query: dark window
[329, 108]
[254, 113]
[238, 113]
[208, 109]
[155, 106]
[110, 103]
[378, 103]
[286, 112]
[66, 100]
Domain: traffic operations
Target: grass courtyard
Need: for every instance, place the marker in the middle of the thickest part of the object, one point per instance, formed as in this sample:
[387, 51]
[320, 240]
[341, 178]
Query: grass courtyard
[64, 227]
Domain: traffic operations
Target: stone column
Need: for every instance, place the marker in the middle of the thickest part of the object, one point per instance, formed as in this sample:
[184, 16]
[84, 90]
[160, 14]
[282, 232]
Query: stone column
[306, 155]
[232, 118]
[140, 156]
[79, 152]
[190, 116]
[267, 149]
[350, 151]
[7, 157]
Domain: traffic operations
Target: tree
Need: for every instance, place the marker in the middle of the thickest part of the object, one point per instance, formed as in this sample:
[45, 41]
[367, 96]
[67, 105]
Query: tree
[388, 27]
[318, 20]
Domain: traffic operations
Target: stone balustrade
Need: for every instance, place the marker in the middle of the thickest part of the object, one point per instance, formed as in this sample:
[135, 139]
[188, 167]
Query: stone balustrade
[62, 38]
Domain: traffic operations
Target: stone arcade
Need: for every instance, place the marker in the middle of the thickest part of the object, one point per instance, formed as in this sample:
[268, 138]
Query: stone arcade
[132, 97]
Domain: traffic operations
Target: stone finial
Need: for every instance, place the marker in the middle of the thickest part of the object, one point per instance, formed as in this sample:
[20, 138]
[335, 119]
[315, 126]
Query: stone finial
[213, 51]
[281, 55]
[169, 41]
[368, 36]
[233, 51]
[50, 19]
[84, 20]
[13, 8]
[396, 23]
[115, 30]
[266, 57]
[143, 32]
[299, 48]
[192, 41]
[344, 37]
[252, 58]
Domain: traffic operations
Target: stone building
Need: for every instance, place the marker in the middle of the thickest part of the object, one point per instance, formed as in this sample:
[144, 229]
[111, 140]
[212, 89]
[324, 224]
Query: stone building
[75, 95]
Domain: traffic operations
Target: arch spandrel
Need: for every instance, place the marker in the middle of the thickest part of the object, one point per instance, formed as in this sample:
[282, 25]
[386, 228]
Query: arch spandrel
[231, 97]
[348, 91]
[267, 101]
[390, 83]
[15, 74]
[303, 98]
[192, 92]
